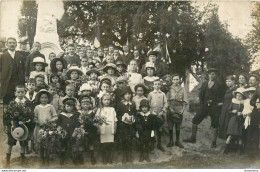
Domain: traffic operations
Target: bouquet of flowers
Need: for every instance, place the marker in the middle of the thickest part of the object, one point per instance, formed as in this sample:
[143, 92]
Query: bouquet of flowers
[79, 133]
[100, 120]
[129, 119]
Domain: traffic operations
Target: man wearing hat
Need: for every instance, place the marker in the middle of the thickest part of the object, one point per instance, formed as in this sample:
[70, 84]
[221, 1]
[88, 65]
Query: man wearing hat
[211, 97]
[153, 58]
[121, 67]
[12, 67]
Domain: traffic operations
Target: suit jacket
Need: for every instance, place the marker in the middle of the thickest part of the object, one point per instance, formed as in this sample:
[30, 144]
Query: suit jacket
[6, 68]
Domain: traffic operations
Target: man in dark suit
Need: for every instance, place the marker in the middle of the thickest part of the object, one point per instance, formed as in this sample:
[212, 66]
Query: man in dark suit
[127, 56]
[211, 97]
[12, 68]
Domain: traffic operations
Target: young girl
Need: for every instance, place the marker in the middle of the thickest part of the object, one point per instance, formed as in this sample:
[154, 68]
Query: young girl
[58, 66]
[225, 115]
[86, 117]
[235, 125]
[121, 68]
[134, 78]
[126, 112]
[68, 120]
[107, 129]
[74, 74]
[105, 87]
[60, 86]
[86, 90]
[93, 79]
[44, 113]
[111, 71]
[145, 127]
[149, 78]
[39, 64]
[140, 91]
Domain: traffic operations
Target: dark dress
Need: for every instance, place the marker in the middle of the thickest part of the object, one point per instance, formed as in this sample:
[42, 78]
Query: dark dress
[225, 115]
[144, 125]
[252, 131]
[126, 132]
[236, 123]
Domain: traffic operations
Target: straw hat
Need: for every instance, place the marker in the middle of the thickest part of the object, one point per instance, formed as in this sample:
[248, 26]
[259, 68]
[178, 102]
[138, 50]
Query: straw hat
[39, 60]
[20, 132]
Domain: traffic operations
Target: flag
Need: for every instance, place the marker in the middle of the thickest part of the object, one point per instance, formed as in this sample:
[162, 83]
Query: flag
[167, 56]
[127, 43]
[96, 43]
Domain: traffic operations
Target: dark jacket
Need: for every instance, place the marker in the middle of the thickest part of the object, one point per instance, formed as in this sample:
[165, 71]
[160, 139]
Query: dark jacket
[7, 64]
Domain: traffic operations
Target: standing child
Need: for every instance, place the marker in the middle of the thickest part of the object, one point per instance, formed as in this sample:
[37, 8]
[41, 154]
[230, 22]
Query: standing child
[134, 78]
[107, 127]
[60, 86]
[84, 65]
[72, 58]
[126, 113]
[158, 103]
[18, 115]
[145, 127]
[121, 83]
[56, 101]
[35, 52]
[39, 64]
[86, 118]
[40, 84]
[68, 120]
[30, 95]
[74, 74]
[140, 91]
[44, 113]
[235, 125]
[149, 78]
[177, 100]
[93, 80]
[86, 90]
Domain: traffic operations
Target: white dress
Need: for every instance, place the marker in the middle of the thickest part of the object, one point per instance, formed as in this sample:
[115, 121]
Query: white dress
[107, 131]
[134, 79]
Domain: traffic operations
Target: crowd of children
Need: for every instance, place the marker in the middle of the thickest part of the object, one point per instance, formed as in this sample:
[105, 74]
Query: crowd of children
[92, 97]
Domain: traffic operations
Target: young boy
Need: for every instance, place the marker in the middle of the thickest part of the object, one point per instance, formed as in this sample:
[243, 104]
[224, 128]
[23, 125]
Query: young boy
[84, 65]
[158, 103]
[30, 95]
[18, 115]
[72, 58]
[56, 101]
[35, 52]
[70, 93]
[177, 100]
[40, 84]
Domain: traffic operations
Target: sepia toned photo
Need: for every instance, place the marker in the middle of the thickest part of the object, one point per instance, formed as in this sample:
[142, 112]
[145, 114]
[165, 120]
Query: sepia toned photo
[129, 84]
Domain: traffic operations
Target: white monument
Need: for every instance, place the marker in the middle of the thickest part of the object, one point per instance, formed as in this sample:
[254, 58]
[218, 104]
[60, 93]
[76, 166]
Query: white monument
[46, 28]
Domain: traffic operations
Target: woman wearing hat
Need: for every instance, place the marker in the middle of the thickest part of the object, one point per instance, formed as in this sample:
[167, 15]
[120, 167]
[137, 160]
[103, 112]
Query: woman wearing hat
[121, 67]
[68, 120]
[39, 65]
[235, 125]
[93, 75]
[111, 72]
[44, 113]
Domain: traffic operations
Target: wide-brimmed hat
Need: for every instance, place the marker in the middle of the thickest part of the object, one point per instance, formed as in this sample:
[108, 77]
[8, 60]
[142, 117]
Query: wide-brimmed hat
[150, 65]
[120, 62]
[93, 70]
[69, 101]
[110, 65]
[43, 91]
[155, 53]
[74, 68]
[240, 91]
[107, 80]
[212, 70]
[85, 86]
[39, 60]
[20, 132]
[55, 60]
[121, 79]
[250, 89]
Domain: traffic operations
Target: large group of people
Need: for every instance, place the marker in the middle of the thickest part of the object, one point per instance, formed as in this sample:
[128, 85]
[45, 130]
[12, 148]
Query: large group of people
[90, 100]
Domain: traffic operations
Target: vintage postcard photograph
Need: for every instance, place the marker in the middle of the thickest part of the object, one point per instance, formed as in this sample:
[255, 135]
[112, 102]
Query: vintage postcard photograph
[129, 85]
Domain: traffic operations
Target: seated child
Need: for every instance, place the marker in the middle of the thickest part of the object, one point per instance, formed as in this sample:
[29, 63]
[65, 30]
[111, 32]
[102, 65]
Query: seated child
[18, 114]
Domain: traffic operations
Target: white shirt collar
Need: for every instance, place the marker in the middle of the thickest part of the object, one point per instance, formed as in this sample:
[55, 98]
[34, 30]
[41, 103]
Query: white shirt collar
[67, 114]
[155, 91]
[20, 101]
[145, 114]
[28, 96]
[12, 53]
[126, 103]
